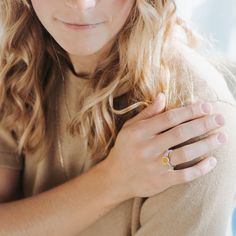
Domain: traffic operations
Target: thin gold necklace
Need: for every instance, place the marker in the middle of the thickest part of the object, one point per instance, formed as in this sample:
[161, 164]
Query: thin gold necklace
[61, 159]
[62, 163]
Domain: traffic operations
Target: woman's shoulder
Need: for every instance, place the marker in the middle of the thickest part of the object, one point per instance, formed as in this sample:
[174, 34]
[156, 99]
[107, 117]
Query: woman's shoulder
[218, 82]
[210, 74]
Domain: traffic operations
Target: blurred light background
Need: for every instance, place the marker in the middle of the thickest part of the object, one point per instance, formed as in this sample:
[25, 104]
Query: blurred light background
[215, 20]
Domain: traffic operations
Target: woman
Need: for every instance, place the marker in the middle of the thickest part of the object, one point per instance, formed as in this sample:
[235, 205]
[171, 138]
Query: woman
[89, 145]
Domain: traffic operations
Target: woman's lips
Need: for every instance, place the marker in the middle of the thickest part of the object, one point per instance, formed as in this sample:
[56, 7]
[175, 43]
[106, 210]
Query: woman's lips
[81, 26]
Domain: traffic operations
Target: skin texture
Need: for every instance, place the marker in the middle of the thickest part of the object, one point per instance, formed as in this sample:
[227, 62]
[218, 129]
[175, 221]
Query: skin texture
[62, 210]
[85, 47]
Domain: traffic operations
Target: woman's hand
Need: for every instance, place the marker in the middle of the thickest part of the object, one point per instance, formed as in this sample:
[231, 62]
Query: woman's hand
[135, 159]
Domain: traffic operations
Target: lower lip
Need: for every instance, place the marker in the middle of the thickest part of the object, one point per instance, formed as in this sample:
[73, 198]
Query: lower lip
[81, 27]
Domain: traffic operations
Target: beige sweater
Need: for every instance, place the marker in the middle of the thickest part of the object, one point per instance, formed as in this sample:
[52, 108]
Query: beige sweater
[199, 208]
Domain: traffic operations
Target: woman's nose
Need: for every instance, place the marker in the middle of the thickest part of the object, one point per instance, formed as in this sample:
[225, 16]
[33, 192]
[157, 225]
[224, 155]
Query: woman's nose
[81, 4]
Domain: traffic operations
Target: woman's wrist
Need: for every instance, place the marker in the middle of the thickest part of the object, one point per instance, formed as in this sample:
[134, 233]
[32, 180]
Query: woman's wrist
[113, 181]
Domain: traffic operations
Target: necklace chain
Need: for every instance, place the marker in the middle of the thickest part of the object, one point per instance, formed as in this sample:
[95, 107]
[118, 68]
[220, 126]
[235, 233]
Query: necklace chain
[61, 159]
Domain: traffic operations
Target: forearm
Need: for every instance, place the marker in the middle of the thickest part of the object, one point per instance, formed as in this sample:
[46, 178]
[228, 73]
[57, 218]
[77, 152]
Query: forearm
[64, 210]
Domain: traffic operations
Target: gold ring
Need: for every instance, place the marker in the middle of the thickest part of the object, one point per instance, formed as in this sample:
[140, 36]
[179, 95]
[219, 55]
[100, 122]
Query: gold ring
[165, 158]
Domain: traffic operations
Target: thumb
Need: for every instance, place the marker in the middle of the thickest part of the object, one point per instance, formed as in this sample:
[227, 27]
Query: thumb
[153, 109]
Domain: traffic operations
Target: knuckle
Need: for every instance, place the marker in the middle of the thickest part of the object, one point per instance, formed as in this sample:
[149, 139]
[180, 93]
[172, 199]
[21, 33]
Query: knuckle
[209, 143]
[206, 125]
[134, 131]
[179, 132]
[171, 117]
[190, 174]
[184, 176]
[196, 172]
[184, 154]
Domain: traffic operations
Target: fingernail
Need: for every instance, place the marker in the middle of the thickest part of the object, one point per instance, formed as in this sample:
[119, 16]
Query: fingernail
[220, 120]
[212, 161]
[222, 138]
[206, 107]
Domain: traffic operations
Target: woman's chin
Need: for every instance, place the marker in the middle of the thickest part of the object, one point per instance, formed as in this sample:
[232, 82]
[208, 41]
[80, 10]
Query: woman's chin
[82, 51]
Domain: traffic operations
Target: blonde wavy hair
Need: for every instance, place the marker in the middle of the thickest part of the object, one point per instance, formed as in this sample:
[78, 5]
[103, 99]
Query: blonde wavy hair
[147, 57]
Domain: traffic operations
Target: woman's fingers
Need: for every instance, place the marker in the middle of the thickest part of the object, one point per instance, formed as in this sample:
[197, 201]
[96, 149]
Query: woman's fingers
[155, 108]
[184, 132]
[189, 152]
[174, 117]
[188, 174]
[136, 156]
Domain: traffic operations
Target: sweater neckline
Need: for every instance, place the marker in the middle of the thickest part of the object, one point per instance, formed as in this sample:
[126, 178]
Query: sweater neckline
[79, 75]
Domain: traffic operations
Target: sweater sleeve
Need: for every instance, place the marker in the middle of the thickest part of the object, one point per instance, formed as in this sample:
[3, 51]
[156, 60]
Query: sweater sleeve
[202, 206]
[9, 158]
